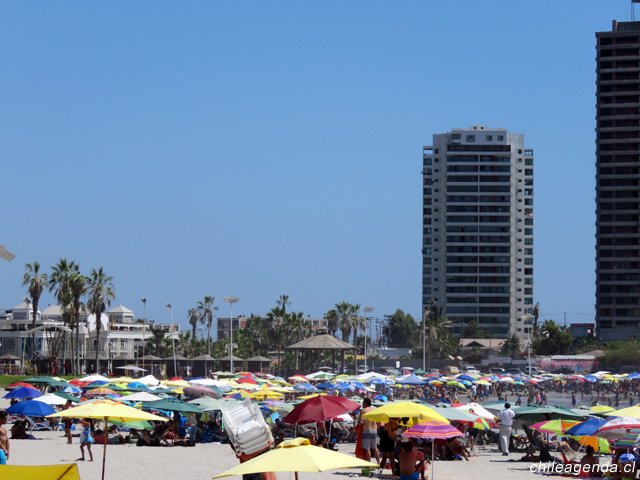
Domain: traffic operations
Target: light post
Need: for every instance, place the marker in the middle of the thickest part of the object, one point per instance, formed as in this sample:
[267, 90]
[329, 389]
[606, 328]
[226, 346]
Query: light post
[368, 309]
[24, 340]
[173, 339]
[231, 301]
[527, 323]
[144, 327]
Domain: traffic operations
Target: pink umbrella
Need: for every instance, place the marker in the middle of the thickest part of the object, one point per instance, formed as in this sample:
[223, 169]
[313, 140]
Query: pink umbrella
[432, 431]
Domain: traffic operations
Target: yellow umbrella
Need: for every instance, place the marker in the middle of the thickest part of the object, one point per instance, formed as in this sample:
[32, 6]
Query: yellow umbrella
[65, 471]
[297, 455]
[415, 411]
[630, 412]
[107, 410]
[600, 445]
[600, 409]
[312, 395]
[264, 394]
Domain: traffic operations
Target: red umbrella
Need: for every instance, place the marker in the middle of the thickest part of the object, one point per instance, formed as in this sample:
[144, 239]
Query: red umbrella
[247, 380]
[319, 409]
[20, 384]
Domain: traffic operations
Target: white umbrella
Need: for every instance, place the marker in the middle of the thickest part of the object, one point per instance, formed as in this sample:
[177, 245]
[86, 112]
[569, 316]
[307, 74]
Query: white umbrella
[478, 409]
[149, 380]
[140, 397]
[51, 399]
[132, 368]
[94, 378]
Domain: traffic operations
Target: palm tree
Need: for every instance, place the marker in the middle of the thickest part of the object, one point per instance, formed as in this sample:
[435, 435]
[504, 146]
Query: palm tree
[156, 340]
[36, 283]
[101, 293]
[276, 317]
[60, 284]
[345, 322]
[332, 321]
[77, 287]
[357, 322]
[194, 318]
[283, 302]
[205, 307]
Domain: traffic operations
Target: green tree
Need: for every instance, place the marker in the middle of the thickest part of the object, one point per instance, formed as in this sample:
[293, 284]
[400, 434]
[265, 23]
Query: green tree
[193, 316]
[551, 339]
[345, 321]
[331, 316]
[511, 346]
[156, 341]
[60, 284]
[473, 330]
[205, 308]
[283, 302]
[101, 293]
[402, 330]
[36, 282]
[78, 288]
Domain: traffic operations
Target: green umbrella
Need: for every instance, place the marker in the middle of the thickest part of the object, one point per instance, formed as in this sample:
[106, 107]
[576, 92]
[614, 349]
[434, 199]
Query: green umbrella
[454, 414]
[546, 412]
[172, 404]
[47, 380]
[137, 424]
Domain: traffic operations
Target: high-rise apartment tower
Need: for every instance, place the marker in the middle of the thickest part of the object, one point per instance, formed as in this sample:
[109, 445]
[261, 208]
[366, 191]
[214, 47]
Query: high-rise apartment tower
[478, 230]
[618, 182]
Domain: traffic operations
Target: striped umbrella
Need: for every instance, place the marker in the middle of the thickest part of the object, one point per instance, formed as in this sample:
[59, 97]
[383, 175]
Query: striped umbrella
[618, 427]
[432, 431]
[629, 440]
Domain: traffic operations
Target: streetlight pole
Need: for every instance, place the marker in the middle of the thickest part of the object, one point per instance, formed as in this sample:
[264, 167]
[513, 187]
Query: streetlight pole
[24, 340]
[368, 309]
[144, 327]
[527, 323]
[424, 341]
[173, 339]
[231, 301]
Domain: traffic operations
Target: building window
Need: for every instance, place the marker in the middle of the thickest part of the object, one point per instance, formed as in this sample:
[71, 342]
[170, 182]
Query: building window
[427, 161]
[489, 138]
[427, 251]
[471, 138]
[500, 138]
[455, 136]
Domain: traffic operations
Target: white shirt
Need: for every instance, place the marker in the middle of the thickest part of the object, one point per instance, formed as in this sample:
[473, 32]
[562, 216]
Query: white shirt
[506, 417]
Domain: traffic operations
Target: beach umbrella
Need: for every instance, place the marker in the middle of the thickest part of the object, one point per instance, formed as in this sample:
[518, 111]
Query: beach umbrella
[617, 427]
[51, 399]
[97, 384]
[600, 445]
[554, 426]
[30, 408]
[23, 392]
[72, 389]
[100, 392]
[208, 404]
[140, 397]
[106, 410]
[305, 387]
[629, 412]
[19, 384]
[64, 471]
[171, 404]
[311, 395]
[455, 415]
[320, 408]
[600, 410]
[94, 378]
[264, 394]
[67, 396]
[412, 379]
[432, 431]
[43, 380]
[297, 455]
[198, 391]
[415, 411]
[546, 412]
[587, 428]
[466, 377]
[628, 440]
[477, 409]
[591, 378]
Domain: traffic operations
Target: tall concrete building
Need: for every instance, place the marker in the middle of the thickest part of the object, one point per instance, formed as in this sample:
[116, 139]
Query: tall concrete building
[618, 182]
[478, 229]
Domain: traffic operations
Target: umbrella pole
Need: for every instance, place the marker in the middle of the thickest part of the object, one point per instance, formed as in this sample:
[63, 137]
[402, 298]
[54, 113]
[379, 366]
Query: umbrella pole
[296, 475]
[433, 456]
[104, 449]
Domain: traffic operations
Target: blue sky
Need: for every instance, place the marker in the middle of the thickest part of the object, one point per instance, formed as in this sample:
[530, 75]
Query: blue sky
[261, 148]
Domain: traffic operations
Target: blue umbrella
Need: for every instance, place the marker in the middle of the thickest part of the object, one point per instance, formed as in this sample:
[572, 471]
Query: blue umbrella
[24, 392]
[588, 427]
[31, 408]
[381, 398]
[591, 378]
[382, 381]
[305, 387]
[358, 385]
[467, 378]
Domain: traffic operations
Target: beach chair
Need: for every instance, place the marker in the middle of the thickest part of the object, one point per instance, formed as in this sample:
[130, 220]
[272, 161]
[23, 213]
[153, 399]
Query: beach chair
[37, 426]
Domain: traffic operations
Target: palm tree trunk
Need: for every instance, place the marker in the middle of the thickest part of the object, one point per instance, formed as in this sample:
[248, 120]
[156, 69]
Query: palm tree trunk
[97, 345]
[77, 358]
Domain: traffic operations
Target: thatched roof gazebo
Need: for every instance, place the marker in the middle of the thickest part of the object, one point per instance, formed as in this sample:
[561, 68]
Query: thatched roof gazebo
[227, 359]
[201, 364]
[323, 342]
[259, 359]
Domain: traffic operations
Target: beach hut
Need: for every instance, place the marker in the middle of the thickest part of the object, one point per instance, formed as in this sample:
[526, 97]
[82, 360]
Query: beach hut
[201, 365]
[255, 363]
[225, 362]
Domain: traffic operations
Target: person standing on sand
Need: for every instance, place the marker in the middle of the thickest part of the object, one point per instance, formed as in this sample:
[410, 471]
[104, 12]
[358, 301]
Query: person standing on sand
[505, 418]
[4, 439]
[369, 433]
[86, 438]
[67, 424]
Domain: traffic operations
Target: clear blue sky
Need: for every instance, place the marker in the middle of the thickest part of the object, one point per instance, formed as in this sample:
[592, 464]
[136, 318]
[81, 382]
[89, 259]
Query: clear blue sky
[260, 148]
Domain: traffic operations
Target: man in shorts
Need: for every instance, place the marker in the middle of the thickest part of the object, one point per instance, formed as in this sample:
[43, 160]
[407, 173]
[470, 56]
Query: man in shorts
[369, 433]
[4, 439]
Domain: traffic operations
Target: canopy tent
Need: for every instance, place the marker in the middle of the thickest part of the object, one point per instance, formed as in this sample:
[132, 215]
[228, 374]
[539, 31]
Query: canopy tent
[323, 342]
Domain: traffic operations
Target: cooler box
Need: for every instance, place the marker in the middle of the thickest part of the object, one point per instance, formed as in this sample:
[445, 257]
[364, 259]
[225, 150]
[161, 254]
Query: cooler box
[245, 425]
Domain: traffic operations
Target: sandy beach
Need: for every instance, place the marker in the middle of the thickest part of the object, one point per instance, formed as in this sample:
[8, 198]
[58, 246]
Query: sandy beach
[203, 461]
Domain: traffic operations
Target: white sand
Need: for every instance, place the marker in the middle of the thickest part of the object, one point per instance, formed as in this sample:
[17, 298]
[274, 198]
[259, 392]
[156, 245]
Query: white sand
[205, 460]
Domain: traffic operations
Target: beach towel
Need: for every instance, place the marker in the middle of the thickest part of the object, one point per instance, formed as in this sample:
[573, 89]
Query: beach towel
[359, 450]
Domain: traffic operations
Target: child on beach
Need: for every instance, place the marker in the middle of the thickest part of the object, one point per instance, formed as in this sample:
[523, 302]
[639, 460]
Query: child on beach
[86, 438]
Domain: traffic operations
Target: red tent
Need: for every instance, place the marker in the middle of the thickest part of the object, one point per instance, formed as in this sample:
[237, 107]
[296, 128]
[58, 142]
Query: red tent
[319, 409]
